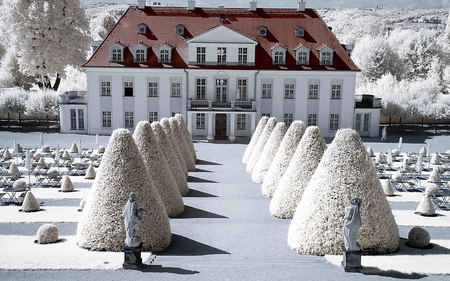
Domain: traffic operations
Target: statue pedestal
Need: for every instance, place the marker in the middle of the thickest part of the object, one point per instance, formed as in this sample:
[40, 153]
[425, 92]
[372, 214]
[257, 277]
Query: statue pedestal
[133, 258]
[352, 260]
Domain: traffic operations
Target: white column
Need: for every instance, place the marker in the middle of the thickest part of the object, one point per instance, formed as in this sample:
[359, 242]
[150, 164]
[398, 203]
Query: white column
[232, 127]
[253, 123]
[210, 136]
[190, 118]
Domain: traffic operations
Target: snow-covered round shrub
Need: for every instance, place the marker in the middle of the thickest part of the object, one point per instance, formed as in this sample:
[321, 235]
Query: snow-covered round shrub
[172, 160]
[47, 233]
[418, 238]
[300, 170]
[345, 171]
[14, 170]
[282, 158]
[122, 171]
[159, 169]
[13, 100]
[259, 147]
[254, 140]
[20, 183]
[268, 153]
[66, 184]
[30, 203]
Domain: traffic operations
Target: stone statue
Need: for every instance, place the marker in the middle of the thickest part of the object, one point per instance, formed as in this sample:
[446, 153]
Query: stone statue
[352, 223]
[132, 216]
[384, 134]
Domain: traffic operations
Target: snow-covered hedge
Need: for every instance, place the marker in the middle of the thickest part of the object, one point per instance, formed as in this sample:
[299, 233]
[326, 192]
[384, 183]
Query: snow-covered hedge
[345, 171]
[122, 171]
[158, 168]
[13, 100]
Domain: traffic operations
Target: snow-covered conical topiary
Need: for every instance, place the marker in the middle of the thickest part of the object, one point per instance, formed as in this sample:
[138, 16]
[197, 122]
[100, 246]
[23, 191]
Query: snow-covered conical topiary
[435, 160]
[7, 154]
[345, 171]
[82, 203]
[122, 171]
[66, 184]
[387, 187]
[47, 233]
[14, 170]
[370, 151]
[426, 207]
[66, 154]
[101, 149]
[434, 176]
[395, 152]
[268, 153]
[159, 169]
[259, 147]
[423, 151]
[301, 168]
[74, 148]
[168, 130]
[185, 152]
[172, 160]
[254, 140]
[20, 183]
[282, 158]
[30, 203]
[379, 158]
[90, 173]
[186, 135]
[42, 161]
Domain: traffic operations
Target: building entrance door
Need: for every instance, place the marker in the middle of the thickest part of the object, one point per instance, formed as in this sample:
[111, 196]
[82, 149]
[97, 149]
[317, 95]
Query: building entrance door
[221, 126]
[362, 123]
[221, 90]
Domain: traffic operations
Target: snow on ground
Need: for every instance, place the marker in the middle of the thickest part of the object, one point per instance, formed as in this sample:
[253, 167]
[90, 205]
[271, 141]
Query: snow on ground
[226, 230]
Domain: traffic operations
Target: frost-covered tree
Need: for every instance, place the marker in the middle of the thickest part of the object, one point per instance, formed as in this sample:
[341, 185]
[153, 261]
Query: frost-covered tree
[10, 75]
[375, 57]
[48, 35]
[101, 26]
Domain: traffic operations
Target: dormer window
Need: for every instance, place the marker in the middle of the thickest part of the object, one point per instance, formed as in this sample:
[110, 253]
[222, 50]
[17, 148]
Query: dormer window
[116, 52]
[262, 31]
[142, 29]
[140, 51]
[278, 55]
[164, 52]
[179, 28]
[300, 31]
[302, 55]
[326, 55]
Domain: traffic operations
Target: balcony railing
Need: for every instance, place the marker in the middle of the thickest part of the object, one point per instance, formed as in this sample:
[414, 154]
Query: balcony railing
[203, 105]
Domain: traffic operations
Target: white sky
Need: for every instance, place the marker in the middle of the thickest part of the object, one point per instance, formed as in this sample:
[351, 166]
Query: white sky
[415, 4]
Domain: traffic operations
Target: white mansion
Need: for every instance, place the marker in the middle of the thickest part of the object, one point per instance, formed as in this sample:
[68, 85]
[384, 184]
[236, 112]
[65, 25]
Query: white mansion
[222, 69]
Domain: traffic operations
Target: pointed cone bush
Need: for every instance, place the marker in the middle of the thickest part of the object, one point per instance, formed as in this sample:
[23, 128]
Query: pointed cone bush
[345, 171]
[300, 170]
[14, 170]
[20, 183]
[7, 154]
[90, 173]
[101, 226]
[254, 140]
[257, 151]
[186, 135]
[387, 187]
[268, 153]
[42, 161]
[426, 207]
[159, 169]
[370, 151]
[66, 154]
[74, 148]
[282, 158]
[66, 184]
[190, 164]
[168, 130]
[30, 203]
[379, 158]
[435, 160]
[172, 160]
[423, 151]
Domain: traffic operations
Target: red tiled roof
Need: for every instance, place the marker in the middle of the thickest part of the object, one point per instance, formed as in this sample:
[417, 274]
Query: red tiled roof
[280, 23]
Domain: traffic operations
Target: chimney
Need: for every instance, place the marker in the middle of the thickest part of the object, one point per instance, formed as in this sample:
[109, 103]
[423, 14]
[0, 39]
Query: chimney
[253, 6]
[141, 4]
[301, 6]
[191, 5]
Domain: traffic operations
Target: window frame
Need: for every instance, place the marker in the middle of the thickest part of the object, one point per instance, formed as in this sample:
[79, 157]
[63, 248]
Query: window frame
[266, 91]
[164, 56]
[200, 121]
[242, 56]
[288, 119]
[336, 94]
[80, 118]
[334, 122]
[312, 119]
[265, 115]
[126, 84]
[176, 89]
[241, 121]
[221, 55]
[129, 119]
[313, 91]
[73, 119]
[153, 116]
[117, 55]
[152, 89]
[278, 58]
[201, 87]
[241, 87]
[106, 119]
[105, 90]
[290, 90]
[140, 56]
[201, 55]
